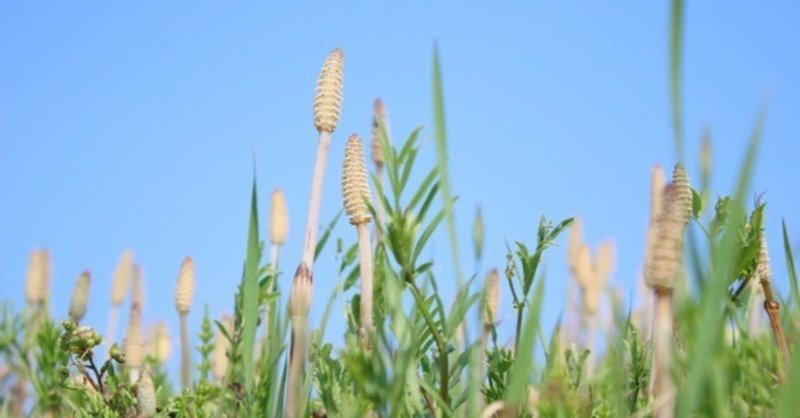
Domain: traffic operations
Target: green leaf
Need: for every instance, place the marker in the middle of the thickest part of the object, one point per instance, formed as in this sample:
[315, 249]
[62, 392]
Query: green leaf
[250, 291]
[441, 152]
[787, 249]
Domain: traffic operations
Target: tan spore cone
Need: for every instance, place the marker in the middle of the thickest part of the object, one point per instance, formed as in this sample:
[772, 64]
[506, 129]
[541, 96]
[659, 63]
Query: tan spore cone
[664, 253]
[355, 187]
[328, 97]
[37, 282]
[133, 346]
[278, 219]
[122, 277]
[185, 287]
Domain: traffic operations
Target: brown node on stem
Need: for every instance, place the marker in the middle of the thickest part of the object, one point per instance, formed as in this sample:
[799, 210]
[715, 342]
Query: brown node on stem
[300, 296]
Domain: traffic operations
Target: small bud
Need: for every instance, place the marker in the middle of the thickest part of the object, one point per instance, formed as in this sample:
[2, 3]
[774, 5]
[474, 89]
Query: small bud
[145, 396]
[328, 98]
[38, 277]
[116, 354]
[80, 297]
[378, 117]
[355, 188]
[122, 277]
[184, 290]
[492, 302]
[300, 296]
[278, 219]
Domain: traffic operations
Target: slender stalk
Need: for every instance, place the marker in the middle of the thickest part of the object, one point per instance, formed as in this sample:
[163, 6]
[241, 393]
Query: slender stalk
[365, 258]
[294, 395]
[773, 311]
[662, 385]
[315, 199]
[273, 257]
[113, 320]
[185, 352]
[444, 389]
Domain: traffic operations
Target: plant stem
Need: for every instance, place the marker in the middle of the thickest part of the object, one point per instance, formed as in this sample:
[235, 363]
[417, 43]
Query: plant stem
[440, 343]
[662, 386]
[273, 262]
[185, 352]
[365, 258]
[773, 311]
[294, 396]
[113, 319]
[315, 199]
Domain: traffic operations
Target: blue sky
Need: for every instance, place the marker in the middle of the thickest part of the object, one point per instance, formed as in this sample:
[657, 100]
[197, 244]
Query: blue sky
[135, 125]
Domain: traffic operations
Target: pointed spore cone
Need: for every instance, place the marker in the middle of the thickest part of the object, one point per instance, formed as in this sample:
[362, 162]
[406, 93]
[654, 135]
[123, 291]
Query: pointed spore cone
[328, 98]
[184, 289]
[684, 191]
[37, 281]
[145, 396]
[133, 345]
[122, 277]
[221, 347]
[492, 299]
[663, 260]
[278, 219]
[355, 188]
[80, 297]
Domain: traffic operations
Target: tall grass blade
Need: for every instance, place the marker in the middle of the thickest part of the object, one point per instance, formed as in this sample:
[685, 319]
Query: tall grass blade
[250, 292]
[787, 248]
[441, 153]
[675, 77]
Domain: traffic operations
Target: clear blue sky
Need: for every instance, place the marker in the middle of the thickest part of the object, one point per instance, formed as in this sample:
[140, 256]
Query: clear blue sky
[134, 125]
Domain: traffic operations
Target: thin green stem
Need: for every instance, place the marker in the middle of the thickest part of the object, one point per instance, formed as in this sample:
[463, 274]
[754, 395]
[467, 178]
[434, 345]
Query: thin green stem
[440, 343]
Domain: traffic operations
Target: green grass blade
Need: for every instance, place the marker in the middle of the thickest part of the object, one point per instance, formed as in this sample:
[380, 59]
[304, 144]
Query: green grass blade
[441, 153]
[708, 326]
[250, 292]
[787, 248]
[675, 79]
[523, 364]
